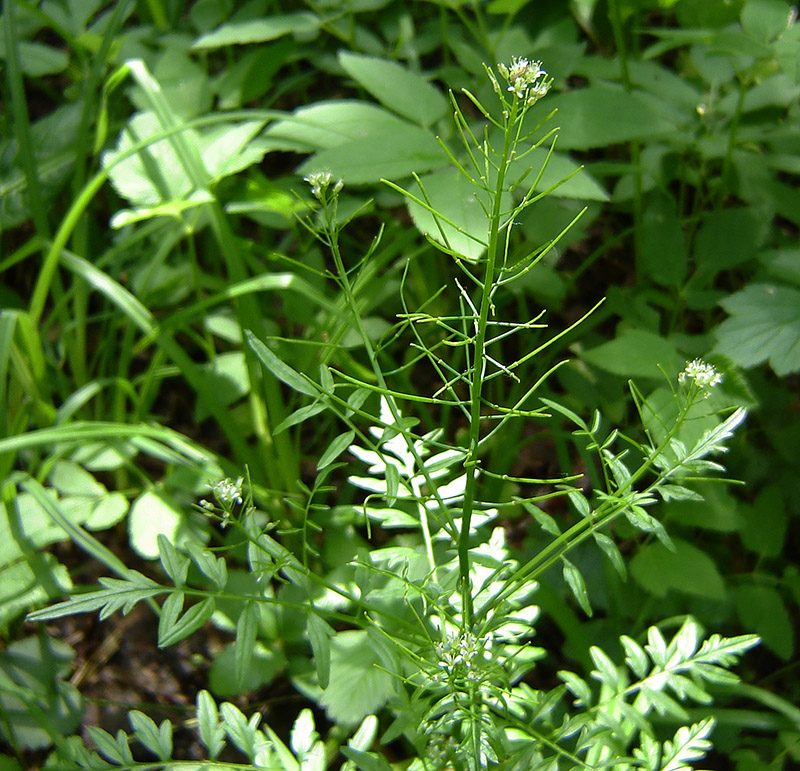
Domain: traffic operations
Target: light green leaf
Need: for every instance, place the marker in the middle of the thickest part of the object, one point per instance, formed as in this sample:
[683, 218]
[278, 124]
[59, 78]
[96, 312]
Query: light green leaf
[175, 564]
[358, 685]
[393, 154]
[37, 59]
[212, 734]
[33, 673]
[261, 30]
[462, 224]
[687, 570]
[577, 585]
[319, 634]
[635, 353]
[335, 449]
[157, 739]
[172, 627]
[764, 324]
[396, 87]
[366, 761]
[280, 369]
[246, 630]
[329, 124]
[152, 515]
[606, 114]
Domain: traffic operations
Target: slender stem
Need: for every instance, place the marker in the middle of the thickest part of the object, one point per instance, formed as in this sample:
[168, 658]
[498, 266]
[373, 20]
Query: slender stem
[479, 371]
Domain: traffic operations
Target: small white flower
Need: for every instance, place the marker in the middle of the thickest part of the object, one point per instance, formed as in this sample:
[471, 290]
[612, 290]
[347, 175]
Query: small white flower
[320, 181]
[526, 79]
[702, 374]
[228, 492]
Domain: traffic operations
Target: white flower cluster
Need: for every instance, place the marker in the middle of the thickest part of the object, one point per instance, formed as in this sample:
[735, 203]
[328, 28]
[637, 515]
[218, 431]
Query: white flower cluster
[702, 374]
[460, 653]
[228, 492]
[526, 79]
[320, 181]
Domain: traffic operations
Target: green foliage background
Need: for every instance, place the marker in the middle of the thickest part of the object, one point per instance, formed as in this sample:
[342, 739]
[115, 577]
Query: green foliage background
[151, 164]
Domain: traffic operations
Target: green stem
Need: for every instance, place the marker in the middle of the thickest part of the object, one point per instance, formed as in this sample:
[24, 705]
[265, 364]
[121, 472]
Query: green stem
[478, 373]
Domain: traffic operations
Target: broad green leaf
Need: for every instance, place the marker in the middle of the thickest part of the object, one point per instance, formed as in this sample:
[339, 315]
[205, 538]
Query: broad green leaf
[605, 114]
[265, 664]
[152, 515]
[460, 223]
[727, 239]
[687, 570]
[156, 175]
[396, 87]
[762, 610]
[764, 522]
[37, 59]
[764, 324]
[358, 686]
[335, 449]
[662, 250]
[319, 634]
[393, 154]
[582, 185]
[329, 124]
[280, 369]
[270, 27]
[635, 353]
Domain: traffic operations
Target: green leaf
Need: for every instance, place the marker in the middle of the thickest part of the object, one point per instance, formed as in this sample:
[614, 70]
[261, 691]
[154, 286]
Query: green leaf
[280, 369]
[634, 353]
[366, 761]
[37, 701]
[687, 570]
[764, 523]
[606, 114]
[151, 516]
[212, 567]
[246, 630]
[762, 610]
[576, 584]
[335, 449]
[115, 749]
[662, 251]
[319, 634]
[330, 124]
[459, 223]
[399, 89]
[212, 734]
[726, 239]
[764, 324]
[393, 154]
[259, 30]
[172, 627]
[358, 686]
[265, 664]
[157, 739]
[175, 564]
